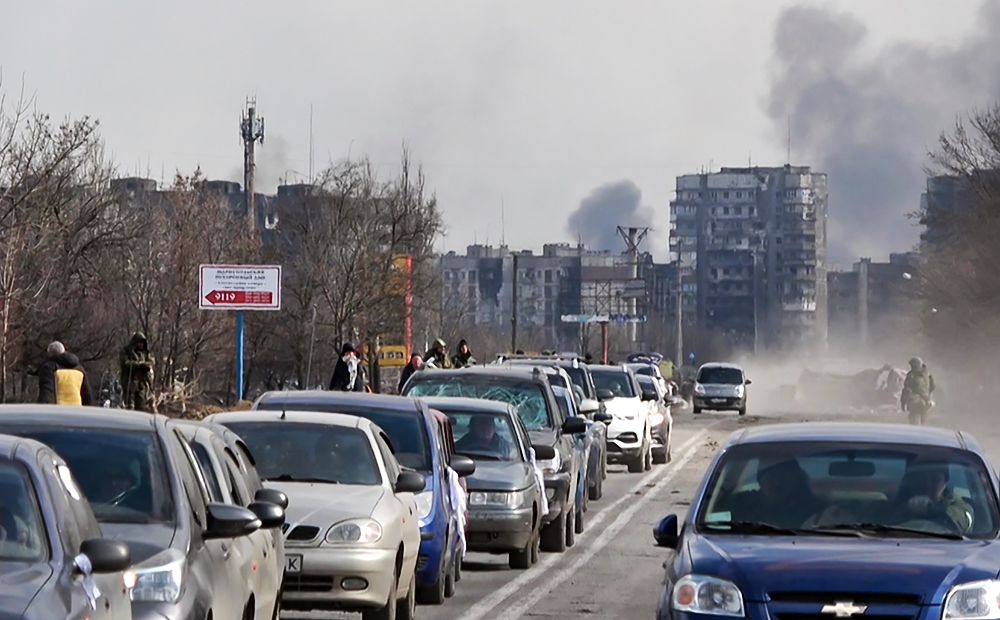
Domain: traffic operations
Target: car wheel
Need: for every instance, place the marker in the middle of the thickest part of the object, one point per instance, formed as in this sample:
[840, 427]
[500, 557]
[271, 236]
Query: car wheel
[406, 609]
[434, 593]
[571, 528]
[597, 491]
[578, 525]
[742, 410]
[449, 582]
[458, 570]
[521, 559]
[387, 611]
[636, 464]
[660, 456]
[696, 410]
[553, 535]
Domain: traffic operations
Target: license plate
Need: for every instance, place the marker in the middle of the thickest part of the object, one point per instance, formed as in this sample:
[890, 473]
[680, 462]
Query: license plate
[293, 563]
[718, 400]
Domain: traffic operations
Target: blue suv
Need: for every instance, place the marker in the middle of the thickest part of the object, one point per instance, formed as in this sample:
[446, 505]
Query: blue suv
[815, 521]
[418, 443]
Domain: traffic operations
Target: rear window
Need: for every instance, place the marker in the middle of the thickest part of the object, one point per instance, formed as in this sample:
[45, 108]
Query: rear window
[527, 398]
[405, 429]
[122, 473]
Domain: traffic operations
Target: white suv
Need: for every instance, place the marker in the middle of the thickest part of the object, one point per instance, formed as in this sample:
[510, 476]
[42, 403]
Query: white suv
[629, 437]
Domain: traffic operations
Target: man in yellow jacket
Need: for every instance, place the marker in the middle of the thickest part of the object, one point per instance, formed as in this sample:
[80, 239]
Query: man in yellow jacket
[62, 380]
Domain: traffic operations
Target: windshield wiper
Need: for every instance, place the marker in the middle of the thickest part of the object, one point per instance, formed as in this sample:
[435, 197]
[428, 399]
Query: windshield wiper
[880, 528]
[290, 478]
[481, 456]
[759, 527]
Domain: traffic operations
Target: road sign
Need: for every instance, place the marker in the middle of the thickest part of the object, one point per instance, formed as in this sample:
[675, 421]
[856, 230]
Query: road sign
[391, 355]
[240, 287]
[603, 318]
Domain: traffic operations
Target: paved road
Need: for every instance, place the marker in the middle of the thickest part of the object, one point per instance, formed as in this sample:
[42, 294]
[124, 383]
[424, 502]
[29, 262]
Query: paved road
[614, 570]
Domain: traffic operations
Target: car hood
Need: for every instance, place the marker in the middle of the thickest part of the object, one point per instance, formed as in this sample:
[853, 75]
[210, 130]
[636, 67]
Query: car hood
[918, 567]
[19, 584]
[500, 476]
[624, 408]
[144, 540]
[324, 504]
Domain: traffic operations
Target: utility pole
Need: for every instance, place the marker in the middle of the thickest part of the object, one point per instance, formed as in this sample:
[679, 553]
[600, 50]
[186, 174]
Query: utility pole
[251, 132]
[513, 305]
[680, 306]
[633, 237]
[863, 324]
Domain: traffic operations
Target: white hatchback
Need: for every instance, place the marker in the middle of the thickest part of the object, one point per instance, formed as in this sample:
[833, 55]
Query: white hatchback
[629, 437]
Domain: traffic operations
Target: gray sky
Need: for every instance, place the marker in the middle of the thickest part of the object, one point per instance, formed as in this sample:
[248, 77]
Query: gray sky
[537, 104]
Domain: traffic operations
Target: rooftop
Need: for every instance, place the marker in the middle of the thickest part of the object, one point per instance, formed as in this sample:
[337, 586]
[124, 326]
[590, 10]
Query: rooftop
[865, 432]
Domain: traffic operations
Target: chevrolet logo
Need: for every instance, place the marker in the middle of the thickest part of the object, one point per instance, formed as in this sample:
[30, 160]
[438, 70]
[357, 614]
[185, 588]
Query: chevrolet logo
[843, 609]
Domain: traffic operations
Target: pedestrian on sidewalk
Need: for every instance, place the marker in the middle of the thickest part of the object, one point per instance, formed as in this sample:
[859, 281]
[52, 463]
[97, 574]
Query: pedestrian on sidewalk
[62, 380]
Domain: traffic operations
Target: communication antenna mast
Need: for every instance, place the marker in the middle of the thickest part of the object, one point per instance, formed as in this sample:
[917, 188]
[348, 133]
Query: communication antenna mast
[310, 144]
[633, 236]
[503, 223]
[251, 132]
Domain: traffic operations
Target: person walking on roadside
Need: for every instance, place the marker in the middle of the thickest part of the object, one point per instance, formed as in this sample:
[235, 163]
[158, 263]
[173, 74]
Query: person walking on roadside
[918, 386]
[136, 365]
[416, 363]
[463, 356]
[348, 375]
[437, 357]
[62, 380]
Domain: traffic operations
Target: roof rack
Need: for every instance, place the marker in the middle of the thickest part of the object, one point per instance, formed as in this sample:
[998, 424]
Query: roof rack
[502, 357]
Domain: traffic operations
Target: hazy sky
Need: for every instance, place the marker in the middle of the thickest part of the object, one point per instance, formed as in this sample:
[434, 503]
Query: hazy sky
[536, 104]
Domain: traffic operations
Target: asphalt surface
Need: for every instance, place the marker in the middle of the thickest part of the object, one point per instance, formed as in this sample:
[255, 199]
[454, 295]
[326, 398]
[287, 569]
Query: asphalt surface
[614, 571]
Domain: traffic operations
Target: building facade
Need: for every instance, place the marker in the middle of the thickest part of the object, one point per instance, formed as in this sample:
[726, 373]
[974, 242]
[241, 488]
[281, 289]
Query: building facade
[751, 244]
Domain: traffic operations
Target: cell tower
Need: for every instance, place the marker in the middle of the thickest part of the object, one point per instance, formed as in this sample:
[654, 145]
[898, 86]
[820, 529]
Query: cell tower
[633, 236]
[251, 132]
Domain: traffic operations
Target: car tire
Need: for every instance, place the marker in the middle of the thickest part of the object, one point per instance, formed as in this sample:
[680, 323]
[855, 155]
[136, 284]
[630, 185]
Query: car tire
[433, 594]
[578, 522]
[696, 410]
[406, 608]
[597, 491]
[647, 459]
[458, 570]
[449, 582]
[387, 611]
[536, 547]
[571, 528]
[742, 410]
[554, 536]
[635, 465]
[521, 559]
[661, 456]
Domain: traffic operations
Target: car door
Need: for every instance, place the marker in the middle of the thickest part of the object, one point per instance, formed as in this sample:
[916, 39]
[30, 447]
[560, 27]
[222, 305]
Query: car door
[404, 503]
[251, 478]
[228, 598]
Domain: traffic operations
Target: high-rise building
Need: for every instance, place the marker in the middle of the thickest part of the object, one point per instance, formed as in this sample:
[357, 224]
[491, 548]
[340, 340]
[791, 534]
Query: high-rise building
[752, 249]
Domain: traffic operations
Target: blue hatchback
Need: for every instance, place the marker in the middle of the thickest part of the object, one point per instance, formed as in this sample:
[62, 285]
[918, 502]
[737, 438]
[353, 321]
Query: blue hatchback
[820, 521]
[417, 439]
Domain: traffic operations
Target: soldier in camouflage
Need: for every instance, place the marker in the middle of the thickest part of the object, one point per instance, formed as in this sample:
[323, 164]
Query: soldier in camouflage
[137, 374]
[915, 399]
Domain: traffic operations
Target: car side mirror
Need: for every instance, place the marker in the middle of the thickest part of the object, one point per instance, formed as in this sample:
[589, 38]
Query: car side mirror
[603, 416]
[409, 482]
[574, 426]
[649, 396]
[543, 452]
[271, 496]
[747, 382]
[463, 465]
[106, 556]
[271, 515]
[589, 406]
[605, 394]
[665, 532]
[228, 521]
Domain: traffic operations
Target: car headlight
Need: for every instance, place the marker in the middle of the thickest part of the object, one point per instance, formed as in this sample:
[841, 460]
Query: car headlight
[656, 419]
[158, 579]
[425, 504]
[739, 391]
[551, 466]
[708, 595]
[978, 600]
[353, 531]
[505, 499]
[699, 389]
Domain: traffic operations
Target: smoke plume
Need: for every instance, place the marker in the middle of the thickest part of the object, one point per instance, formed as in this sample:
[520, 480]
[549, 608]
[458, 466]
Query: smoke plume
[596, 220]
[869, 120]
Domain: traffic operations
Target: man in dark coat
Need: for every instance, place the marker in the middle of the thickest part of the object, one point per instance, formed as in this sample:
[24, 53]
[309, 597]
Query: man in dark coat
[137, 374]
[416, 363]
[62, 380]
[463, 357]
[348, 375]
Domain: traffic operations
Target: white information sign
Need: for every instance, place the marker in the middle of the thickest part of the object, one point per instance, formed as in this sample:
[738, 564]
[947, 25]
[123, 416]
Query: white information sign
[240, 287]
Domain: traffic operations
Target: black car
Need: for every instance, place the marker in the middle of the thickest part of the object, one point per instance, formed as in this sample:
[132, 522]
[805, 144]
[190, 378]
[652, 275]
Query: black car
[529, 391]
[505, 493]
[147, 489]
[53, 561]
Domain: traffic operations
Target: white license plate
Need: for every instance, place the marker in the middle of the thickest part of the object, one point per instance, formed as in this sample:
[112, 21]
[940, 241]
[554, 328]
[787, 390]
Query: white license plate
[293, 563]
[718, 400]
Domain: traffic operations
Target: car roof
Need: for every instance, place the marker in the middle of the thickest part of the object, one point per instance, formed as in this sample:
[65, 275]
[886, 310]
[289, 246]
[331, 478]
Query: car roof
[862, 432]
[470, 405]
[9, 444]
[78, 417]
[323, 399]
[720, 365]
[541, 361]
[302, 417]
[527, 372]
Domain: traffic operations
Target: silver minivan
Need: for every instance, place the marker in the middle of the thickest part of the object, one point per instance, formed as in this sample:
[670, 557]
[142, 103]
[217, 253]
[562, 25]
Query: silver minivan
[721, 387]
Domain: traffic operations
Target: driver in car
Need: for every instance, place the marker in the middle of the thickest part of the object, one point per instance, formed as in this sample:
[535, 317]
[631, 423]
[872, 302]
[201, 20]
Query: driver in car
[483, 437]
[785, 498]
[924, 495]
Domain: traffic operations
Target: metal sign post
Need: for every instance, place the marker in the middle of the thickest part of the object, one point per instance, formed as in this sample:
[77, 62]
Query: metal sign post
[604, 320]
[239, 288]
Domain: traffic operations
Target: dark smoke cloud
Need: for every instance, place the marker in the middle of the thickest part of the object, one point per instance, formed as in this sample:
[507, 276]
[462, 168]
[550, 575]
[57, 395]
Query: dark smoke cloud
[869, 120]
[596, 219]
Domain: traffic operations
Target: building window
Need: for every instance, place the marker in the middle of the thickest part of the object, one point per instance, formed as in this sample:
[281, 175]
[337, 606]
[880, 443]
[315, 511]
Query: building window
[725, 211]
[472, 276]
[725, 194]
[548, 276]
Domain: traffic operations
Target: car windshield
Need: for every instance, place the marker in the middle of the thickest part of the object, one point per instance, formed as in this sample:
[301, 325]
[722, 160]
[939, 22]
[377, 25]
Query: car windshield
[526, 397]
[406, 429]
[484, 436]
[22, 533]
[720, 375]
[862, 487]
[618, 381]
[122, 473]
[293, 451]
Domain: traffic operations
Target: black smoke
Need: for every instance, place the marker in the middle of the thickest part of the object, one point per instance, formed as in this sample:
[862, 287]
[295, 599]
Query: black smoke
[596, 220]
[869, 119]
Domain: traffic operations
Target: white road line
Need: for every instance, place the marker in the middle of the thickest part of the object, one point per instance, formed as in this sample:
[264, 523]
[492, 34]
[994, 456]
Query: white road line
[487, 604]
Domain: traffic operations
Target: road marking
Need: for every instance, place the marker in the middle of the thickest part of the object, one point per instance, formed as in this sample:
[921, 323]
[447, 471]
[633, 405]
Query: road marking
[486, 605]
